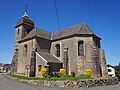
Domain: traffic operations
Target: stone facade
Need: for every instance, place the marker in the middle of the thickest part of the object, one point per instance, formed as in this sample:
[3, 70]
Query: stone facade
[74, 84]
[80, 63]
[75, 48]
[24, 58]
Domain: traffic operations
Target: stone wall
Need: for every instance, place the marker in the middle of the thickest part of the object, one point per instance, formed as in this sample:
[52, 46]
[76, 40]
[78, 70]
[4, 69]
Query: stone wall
[39, 61]
[74, 84]
[66, 44]
[43, 44]
[103, 63]
[24, 59]
[77, 63]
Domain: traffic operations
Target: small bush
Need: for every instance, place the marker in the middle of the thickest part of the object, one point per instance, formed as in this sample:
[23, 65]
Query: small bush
[69, 76]
[51, 75]
[31, 74]
[88, 72]
[63, 71]
[73, 74]
[83, 76]
[56, 74]
[43, 72]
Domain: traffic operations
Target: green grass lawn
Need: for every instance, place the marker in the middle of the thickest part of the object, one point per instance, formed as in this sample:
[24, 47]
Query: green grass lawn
[50, 78]
[17, 76]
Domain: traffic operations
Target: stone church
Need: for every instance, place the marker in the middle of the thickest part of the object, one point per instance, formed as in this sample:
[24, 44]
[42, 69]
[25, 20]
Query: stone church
[75, 48]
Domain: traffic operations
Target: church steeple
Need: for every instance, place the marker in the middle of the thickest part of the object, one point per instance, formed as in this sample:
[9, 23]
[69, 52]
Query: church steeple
[23, 26]
[25, 20]
[25, 13]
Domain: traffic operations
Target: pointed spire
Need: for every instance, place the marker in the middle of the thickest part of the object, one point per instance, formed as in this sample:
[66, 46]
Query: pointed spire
[26, 8]
[25, 13]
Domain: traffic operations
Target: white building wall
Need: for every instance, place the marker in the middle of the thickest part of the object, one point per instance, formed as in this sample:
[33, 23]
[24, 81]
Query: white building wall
[111, 72]
[1, 69]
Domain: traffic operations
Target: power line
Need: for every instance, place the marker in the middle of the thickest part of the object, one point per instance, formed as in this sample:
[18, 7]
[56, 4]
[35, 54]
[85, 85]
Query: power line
[56, 10]
[90, 13]
[26, 7]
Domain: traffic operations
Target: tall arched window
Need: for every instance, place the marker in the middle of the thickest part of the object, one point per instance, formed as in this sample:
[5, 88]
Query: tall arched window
[57, 50]
[18, 31]
[80, 48]
[25, 49]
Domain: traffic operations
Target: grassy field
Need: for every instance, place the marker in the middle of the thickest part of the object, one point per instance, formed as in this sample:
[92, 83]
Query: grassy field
[50, 78]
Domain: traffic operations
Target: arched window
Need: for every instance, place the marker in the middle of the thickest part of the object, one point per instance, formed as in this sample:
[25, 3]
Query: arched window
[80, 48]
[25, 49]
[57, 50]
[18, 31]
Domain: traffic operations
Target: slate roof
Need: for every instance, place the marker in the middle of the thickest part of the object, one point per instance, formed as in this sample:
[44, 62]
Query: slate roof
[49, 57]
[110, 66]
[39, 33]
[76, 29]
[25, 20]
[81, 29]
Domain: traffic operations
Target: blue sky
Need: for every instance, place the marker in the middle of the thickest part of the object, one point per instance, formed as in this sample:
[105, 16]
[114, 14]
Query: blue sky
[102, 16]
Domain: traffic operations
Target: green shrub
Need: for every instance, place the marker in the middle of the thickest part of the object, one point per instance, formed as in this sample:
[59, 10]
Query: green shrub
[51, 75]
[83, 76]
[73, 74]
[31, 74]
[56, 74]
[69, 76]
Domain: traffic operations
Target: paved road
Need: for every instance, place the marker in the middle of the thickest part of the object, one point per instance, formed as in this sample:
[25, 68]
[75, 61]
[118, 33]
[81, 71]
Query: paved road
[7, 83]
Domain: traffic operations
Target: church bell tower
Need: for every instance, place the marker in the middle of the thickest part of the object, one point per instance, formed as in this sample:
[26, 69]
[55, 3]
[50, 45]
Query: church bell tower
[23, 27]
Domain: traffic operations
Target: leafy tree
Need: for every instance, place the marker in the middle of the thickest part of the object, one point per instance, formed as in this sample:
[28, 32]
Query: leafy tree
[119, 64]
[117, 70]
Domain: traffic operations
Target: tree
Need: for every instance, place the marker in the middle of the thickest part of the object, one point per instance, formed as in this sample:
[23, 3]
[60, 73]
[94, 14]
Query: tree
[117, 70]
[119, 64]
